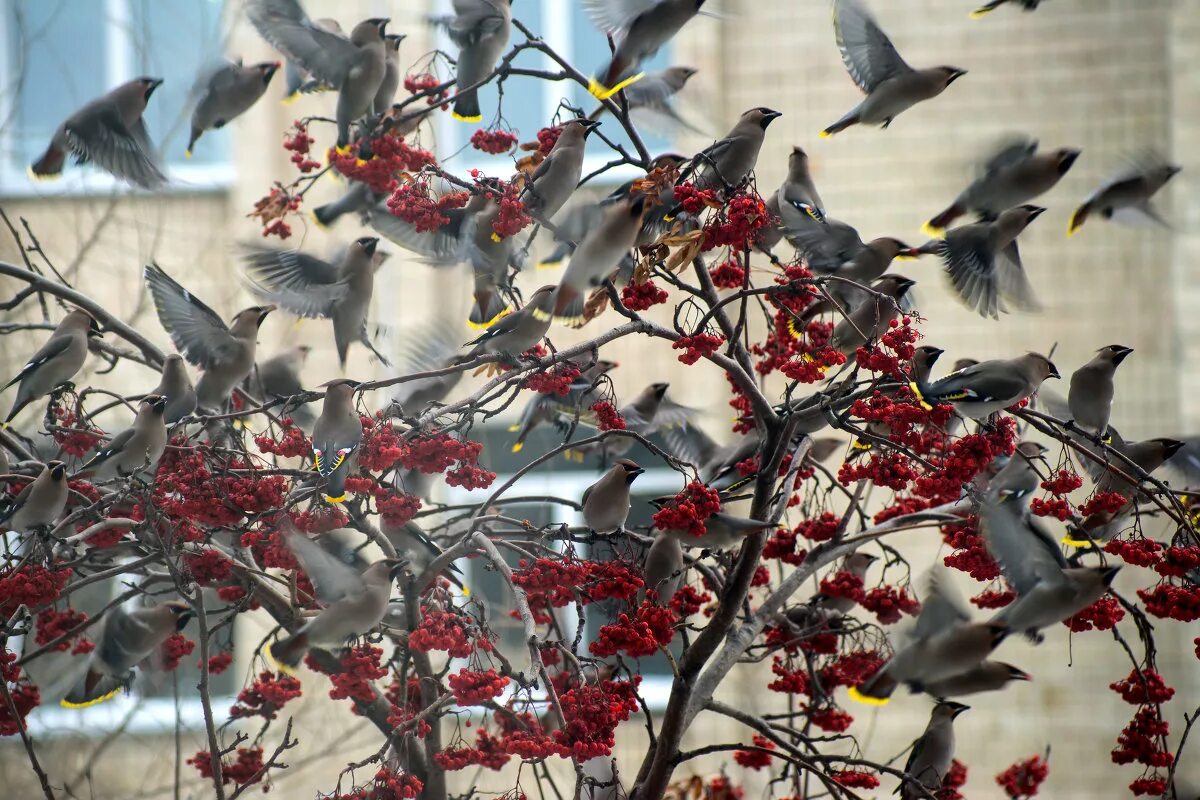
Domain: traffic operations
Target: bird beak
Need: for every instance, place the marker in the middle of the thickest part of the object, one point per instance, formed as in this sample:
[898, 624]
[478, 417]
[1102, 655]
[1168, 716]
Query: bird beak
[955, 75]
[263, 311]
[1172, 446]
[1020, 675]
[370, 244]
[1067, 159]
[58, 470]
[1035, 212]
[958, 708]
[770, 114]
[633, 473]
[590, 125]
[159, 404]
[1110, 574]
[1122, 353]
[271, 69]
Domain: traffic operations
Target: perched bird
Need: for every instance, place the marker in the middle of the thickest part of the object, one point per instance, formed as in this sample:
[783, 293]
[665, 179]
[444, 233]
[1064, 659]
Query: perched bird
[555, 179]
[561, 411]
[728, 161]
[988, 676]
[989, 386]
[1119, 478]
[931, 754]
[638, 29]
[798, 204]
[136, 449]
[943, 643]
[447, 246]
[662, 569]
[491, 256]
[1091, 393]
[39, 504]
[110, 133]
[336, 435]
[225, 92]
[386, 92]
[606, 502]
[833, 249]
[1126, 196]
[872, 316]
[176, 386]
[357, 199]
[721, 531]
[649, 412]
[1048, 591]
[354, 603]
[649, 99]
[1018, 479]
[518, 331]
[992, 5]
[1013, 174]
[311, 287]
[55, 362]
[278, 378]
[891, 86]
[128, 639]
[225, 353]
[355, 66]
[481, 29]
[597, 257]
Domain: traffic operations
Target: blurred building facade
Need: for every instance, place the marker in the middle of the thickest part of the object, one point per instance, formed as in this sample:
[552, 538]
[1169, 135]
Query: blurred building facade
[1109, 76]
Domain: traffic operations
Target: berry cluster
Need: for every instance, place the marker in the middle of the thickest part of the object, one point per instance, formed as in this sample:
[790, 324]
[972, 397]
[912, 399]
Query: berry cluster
[641, 296]
[471, 688]
[493, 142]
[641, 634]
[208, 566]
[729, 274]
[511, 219]
[1102, 615]
[299, 144]
[700, 345]
[556, 381]
[413, 203]
[174, 649]
[52, 624]
[443, 630]
[424, 82]
[688, 509]
[607, 416]
[1022, 779]
[755, 759]
[30, 585]
[247, 768]
[265, 696]
[888, 603]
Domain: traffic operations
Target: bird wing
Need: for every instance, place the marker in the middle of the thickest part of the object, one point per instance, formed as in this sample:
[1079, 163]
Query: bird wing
[474, 20]
[690, 444]
[826, 247]
[1012, 280]
[332, 577]
[868, 53]
[976, 386]
[615, 16]
[431, 347]
[671, 415]
[301, 283]
[941, 610]
[53, 347]
[327, 55]
[115, 445]
[1023, 554]
[216, 76]
[1007, 152]
[103, 139]
[197, 331]
[971, 267]
[443, 247]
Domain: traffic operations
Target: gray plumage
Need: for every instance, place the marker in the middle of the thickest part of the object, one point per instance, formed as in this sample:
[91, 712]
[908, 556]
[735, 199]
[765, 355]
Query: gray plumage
[176, 385]
[481, 29]
[1013, 174]
[562, 411]
[872, 316]
[650, 99]
[128, 638]
[491, 256]
[354, 65]
[1091, 394]
[932, 753]
[311, 287]
[1148, 455]
[662, 570]
[555, 179]
[54, 363]
[649, 412]
[110, 133]
[639, 28]
[597, 257]
[40, 503]
[224, 352]
[891, 86]
[606, 502]
[1126, 196]
[800, 205]
[822, 607]
[278, 378]
[336, 435]
[992, 5]
[386, 93]
[983, 263]
[989, 386]
[357, 199]
[297, 79]
[432, 346]
[1018, 479]
[722, 531]
[518, 331]
[226, 92]
[447, 246]
[989, 676]
[728, 161]
[136, 449]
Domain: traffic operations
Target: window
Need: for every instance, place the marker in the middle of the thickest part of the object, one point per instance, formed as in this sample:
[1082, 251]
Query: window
[529, 103]
[59, 54]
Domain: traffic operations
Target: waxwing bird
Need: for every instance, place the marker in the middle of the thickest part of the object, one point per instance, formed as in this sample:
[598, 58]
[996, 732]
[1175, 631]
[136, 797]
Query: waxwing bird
[1018, 479]
[386, 93]
[931, 754]
[989, 676]
[638, 29]
[649, 412]
[650, 99]
[224, 352]
[1118, 477]
[799, 204]
[354, 602]
[1091, 394]
[481, 29]
[989, 386]
[135, 449]
[1048, 591]
[278, 378]
[520, 330]
[1126, 197]
[354, 65]
[555, 179]
[414, 546]
[491, 256]
[662, 569]
[943, 643]
[891, 86]
[176, 386]
[310, 287]
[834, 249]
[40, 503]
[606, 502]
[55, 362]
[110, 133]
[872, 316]
[447, 246]
[297, 80]
[336, 435]
[1012, 175]
[728, 161]
[583, 392]
[984, 265]
[597, 257]
[226, 92]
[127, 639]
[992, 5]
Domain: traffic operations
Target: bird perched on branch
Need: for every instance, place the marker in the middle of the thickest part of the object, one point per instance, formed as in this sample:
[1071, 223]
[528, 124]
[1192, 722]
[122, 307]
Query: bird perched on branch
[481, 29]
[336, 435]
[56, 362]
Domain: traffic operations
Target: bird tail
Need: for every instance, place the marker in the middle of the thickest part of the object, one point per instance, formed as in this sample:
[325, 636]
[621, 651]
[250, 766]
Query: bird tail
[916, 389]
[466, 107]
[612, 82]
[94, 688]
[569, 307]
[840, 125]
[286, 653]
[192, 141]
[1078, 218]
[50, 165]
[326, 215]
[488, 309]
[937, 226]
[556, 256]
[987, 8]
[877, 691]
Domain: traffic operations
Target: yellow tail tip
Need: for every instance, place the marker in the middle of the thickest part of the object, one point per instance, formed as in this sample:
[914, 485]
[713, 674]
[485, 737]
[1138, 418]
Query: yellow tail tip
[600, 93]
[859, 444]
[549, 264]
[932, 231]
[1074, 225]
[904, 257]
[483, 326]
[318, 223]
[797, 334]
[916, 390]
[825, 134]
[1071, 541]
[540, 315]
[238, 424]
[276, 663]
[979, 12]
[187, 153]
[288, 99]
[37, 177]
[518, 447]
[496, 237]
[341, 498]
[462, 118]
[466, 590]
[514, 428]
[866, 699]
[65, 703]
